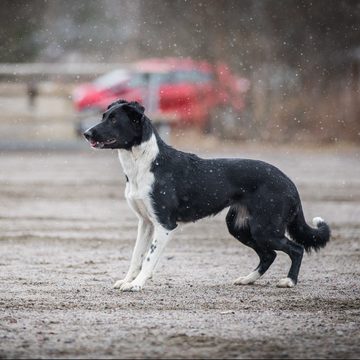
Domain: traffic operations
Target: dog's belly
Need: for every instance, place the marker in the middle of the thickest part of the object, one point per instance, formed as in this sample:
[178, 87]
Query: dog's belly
[195, 211]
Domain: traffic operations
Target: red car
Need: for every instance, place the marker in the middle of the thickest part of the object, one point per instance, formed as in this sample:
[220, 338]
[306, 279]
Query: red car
[180, 91]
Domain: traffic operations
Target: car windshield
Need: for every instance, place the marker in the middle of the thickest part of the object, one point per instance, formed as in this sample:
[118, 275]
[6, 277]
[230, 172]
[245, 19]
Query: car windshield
[191, 76]
[173, 77]
[111, 79]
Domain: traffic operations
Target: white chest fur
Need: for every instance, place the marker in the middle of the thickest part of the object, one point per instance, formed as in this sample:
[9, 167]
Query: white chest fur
[137, 165]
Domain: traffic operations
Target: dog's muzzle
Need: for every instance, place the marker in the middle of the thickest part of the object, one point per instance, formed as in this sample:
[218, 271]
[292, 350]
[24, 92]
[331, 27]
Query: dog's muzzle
[89, 136]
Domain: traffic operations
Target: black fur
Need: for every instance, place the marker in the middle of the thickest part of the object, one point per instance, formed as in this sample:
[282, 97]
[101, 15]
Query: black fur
[188, 188]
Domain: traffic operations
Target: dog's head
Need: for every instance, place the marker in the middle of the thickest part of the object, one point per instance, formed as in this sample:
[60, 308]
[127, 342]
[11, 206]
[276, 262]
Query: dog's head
[120, 128]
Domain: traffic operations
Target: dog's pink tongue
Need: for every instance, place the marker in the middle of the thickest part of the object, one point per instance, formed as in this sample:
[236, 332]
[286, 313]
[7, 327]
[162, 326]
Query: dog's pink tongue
[93, 143]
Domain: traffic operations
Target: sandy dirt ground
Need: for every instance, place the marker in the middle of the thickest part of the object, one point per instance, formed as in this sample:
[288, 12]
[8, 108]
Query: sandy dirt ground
[66, 235]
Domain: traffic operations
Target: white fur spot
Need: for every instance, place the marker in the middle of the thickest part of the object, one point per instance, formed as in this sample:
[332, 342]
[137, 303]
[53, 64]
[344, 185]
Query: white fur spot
[249, 279]
[242, 216]
[317, 220]
[285, 283]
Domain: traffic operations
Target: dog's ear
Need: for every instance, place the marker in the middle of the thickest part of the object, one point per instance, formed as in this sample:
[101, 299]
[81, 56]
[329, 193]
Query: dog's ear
[117, 102]
[135, 111]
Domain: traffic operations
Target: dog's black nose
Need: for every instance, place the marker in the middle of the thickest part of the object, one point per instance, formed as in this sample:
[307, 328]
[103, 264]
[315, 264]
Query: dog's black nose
[88, 134]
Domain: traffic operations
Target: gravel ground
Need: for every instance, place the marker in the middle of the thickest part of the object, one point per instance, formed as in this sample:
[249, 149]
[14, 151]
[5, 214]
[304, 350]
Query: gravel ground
[66, 235]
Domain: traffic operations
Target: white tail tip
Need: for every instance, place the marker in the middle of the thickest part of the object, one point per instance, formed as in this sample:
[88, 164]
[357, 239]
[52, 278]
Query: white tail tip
[317, 220]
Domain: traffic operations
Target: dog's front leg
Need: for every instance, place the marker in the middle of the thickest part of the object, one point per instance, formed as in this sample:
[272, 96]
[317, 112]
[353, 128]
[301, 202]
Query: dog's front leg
[143, 239]
[161, 238]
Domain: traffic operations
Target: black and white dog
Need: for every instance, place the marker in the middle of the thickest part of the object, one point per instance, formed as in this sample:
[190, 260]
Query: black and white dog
[166, 187]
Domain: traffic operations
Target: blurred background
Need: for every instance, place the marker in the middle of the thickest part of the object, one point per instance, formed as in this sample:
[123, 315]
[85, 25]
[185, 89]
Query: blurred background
[268, 71]
[266, 79]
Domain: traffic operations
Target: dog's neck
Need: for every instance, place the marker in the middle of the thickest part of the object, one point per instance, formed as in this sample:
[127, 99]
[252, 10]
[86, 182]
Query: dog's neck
[138, 160]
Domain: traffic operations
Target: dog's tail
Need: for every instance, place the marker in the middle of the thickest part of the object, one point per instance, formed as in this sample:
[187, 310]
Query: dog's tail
[307, 236]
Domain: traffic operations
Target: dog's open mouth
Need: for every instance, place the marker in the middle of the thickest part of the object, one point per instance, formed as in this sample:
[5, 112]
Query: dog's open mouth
[101, 144]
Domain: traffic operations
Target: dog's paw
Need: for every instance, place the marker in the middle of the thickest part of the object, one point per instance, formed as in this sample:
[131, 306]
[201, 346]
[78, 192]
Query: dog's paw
[286, 283]
[243, 281]
[131, 287]
[247, 280]
[118, 284]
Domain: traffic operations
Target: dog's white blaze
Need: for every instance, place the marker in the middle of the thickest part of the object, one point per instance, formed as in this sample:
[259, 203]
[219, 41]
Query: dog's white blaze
[249, 279]
[242, 216]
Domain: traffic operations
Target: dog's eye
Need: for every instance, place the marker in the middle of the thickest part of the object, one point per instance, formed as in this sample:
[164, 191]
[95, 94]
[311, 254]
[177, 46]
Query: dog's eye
[113, 120]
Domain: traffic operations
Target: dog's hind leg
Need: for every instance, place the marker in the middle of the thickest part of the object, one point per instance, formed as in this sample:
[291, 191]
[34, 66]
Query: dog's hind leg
[160, 240]
[295, 252]
[266, 259]
[238, 226]
[143, 240]
[269, 236]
